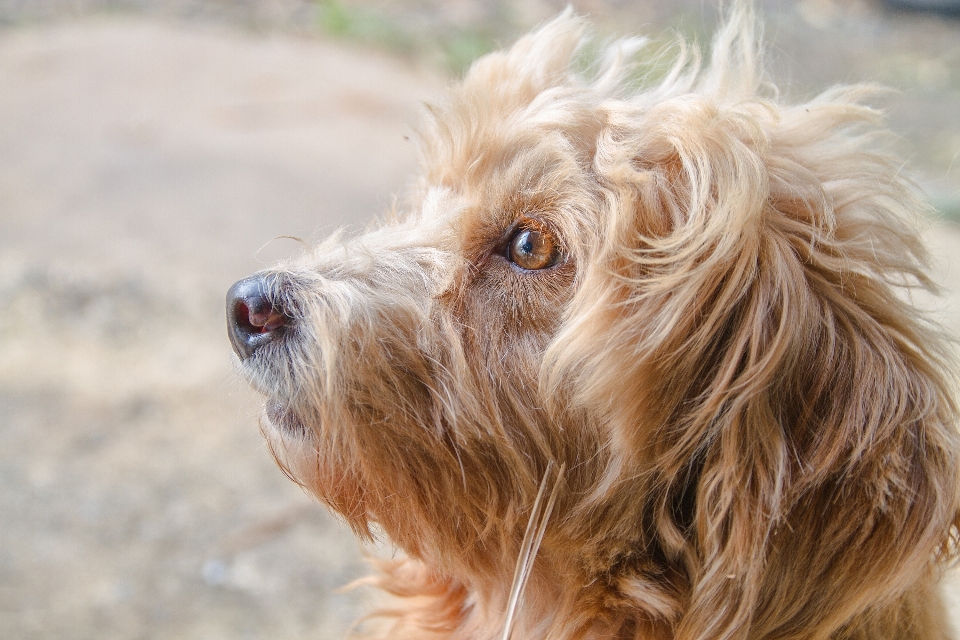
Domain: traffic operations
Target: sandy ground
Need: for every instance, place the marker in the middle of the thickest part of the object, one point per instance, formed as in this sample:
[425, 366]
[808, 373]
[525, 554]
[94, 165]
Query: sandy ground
[144, 166]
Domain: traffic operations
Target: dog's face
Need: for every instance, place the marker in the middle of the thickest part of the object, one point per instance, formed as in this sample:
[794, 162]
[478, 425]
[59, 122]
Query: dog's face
[683, 295]
[404, 385]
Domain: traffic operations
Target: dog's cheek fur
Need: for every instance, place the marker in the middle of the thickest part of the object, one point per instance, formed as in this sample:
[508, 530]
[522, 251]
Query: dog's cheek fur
[787, 405]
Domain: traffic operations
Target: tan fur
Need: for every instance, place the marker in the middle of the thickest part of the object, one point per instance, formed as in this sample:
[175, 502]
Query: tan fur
[758, 429]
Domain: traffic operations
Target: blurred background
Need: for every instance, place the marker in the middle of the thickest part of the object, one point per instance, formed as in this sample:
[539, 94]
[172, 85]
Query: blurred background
[154, 151]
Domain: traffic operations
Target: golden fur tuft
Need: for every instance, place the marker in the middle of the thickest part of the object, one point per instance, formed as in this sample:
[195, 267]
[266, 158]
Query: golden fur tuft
[757, 428]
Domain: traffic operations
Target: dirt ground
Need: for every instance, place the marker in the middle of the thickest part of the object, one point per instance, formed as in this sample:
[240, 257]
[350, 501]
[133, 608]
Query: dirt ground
[149, 158]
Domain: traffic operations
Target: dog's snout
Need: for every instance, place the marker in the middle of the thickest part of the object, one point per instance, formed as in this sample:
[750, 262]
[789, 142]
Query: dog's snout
[252, 318]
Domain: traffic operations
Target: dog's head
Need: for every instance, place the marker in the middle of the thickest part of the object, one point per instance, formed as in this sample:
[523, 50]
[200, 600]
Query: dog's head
[685, 294]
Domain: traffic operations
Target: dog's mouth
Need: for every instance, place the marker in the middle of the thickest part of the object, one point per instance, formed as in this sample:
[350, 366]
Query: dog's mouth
[284, 420]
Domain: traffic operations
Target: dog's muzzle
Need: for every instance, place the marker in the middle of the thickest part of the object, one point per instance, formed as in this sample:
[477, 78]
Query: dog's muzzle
[253, 319]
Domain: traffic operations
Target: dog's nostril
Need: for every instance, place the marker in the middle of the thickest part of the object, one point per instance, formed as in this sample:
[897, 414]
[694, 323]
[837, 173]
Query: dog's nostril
[267, 318]
[252, 319]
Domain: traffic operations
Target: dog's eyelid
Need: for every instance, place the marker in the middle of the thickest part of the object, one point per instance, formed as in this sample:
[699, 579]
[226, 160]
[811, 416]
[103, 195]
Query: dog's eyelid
[532, 221]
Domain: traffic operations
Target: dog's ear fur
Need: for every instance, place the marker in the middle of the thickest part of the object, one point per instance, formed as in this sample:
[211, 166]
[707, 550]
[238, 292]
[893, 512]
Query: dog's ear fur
[746, 334]
[505, 81]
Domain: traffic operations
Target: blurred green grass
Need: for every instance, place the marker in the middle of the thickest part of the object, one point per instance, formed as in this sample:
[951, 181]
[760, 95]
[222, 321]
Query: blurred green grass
[455, 48]
[948, 208]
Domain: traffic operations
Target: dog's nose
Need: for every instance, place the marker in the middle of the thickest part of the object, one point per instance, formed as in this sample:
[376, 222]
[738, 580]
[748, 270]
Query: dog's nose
[252, 319]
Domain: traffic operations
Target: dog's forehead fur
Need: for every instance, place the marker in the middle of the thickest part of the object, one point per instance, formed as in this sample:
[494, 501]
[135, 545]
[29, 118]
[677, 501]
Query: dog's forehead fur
[758, 431]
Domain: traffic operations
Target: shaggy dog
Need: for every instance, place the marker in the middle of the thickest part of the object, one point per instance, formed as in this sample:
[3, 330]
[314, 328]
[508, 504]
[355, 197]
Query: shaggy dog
[639, 361]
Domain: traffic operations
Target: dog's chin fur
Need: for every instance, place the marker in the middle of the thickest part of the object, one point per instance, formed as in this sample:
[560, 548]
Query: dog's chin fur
[757, 429]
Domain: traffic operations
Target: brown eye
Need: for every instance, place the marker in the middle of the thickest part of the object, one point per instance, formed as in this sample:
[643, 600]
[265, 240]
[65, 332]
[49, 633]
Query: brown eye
[531, 249]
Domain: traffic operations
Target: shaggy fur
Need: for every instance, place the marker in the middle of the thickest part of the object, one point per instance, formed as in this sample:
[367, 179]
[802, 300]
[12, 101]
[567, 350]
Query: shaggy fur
[746, 428]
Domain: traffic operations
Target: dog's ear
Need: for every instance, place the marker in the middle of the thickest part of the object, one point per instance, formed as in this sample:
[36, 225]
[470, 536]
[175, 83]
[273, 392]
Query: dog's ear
[744, 334]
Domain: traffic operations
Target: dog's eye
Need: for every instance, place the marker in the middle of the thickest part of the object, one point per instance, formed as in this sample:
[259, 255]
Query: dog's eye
[531, 249]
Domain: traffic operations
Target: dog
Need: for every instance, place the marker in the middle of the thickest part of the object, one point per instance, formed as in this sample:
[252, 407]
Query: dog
[638, 361]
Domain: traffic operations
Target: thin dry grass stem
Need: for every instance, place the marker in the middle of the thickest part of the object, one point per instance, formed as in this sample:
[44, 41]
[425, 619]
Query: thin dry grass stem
[532, 537]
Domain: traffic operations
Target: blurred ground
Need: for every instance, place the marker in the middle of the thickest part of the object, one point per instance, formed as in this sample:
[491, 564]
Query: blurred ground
[142, 168]
[149, 152]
